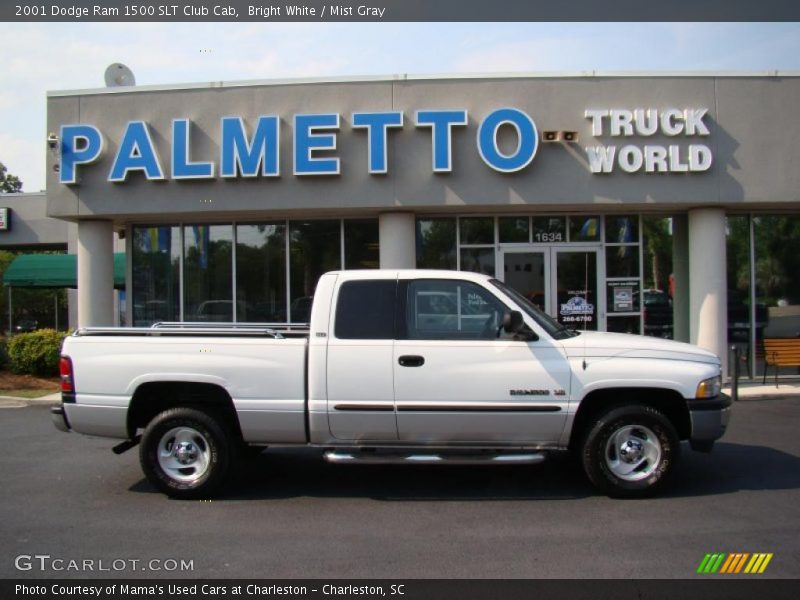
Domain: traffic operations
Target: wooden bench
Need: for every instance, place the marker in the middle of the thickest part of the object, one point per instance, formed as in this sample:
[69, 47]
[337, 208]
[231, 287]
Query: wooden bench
[780, 352]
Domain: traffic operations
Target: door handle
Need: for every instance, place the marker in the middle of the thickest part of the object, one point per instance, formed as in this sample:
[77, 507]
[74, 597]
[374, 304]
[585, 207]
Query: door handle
[411, 361]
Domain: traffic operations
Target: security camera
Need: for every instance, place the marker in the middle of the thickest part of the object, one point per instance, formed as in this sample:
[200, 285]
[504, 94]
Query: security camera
[52, 141]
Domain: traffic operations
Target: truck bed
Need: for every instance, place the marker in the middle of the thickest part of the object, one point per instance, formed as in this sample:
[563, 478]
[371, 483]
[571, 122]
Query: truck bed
[261, 368]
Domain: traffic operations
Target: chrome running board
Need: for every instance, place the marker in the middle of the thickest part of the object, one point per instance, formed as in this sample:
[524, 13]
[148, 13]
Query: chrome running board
[340, 457]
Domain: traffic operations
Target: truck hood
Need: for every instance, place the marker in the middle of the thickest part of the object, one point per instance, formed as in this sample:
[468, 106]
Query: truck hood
[592, 344]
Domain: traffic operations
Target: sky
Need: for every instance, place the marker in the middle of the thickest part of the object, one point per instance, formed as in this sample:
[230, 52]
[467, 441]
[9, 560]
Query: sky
[39, 57]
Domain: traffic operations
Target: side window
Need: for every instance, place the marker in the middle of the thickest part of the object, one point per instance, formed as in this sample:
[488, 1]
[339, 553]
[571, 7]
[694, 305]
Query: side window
[451, 310]
[365, 310]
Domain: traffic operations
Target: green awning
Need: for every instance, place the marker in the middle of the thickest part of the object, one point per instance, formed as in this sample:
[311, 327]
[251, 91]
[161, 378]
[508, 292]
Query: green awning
[54, 271]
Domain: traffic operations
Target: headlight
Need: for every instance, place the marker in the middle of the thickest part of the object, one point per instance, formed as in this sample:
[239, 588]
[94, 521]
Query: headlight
[709, 388]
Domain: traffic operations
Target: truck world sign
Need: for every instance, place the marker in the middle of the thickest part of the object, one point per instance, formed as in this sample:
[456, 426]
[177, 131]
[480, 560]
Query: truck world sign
[652, 158]
[254, 154]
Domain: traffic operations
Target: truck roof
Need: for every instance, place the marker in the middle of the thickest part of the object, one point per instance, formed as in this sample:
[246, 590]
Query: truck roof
[410, 274]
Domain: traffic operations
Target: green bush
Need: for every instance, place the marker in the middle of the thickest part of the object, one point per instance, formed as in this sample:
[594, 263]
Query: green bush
[36, 353]
[3, 353]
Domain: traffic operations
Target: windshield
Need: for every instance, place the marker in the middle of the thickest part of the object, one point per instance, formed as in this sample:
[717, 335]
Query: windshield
[549, 324]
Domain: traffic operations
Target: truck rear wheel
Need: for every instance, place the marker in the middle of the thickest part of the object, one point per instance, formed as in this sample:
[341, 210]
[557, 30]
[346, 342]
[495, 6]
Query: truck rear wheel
[186, 453]
[631, 451]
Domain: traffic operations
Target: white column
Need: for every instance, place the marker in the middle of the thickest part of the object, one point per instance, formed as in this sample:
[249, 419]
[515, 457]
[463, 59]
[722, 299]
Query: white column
[95, 273]
[397, 234]
[72, 295]
[680, 272]
[708, 303]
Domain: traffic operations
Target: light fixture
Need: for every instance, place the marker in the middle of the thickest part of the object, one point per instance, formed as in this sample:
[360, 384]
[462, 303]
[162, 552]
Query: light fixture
[549, 136]
[568, 136]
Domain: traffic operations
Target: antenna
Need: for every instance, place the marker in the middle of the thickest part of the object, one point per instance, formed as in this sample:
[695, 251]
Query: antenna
[118, 75]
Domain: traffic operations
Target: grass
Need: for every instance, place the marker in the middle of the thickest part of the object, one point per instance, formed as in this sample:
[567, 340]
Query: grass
[26, 393]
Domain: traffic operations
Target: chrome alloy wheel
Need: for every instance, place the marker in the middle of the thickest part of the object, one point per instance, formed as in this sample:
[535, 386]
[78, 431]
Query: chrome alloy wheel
[184, 454]
[633, 452]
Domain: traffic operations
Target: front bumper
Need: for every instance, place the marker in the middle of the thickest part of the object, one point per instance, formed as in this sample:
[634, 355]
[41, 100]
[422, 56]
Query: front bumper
[709, 419]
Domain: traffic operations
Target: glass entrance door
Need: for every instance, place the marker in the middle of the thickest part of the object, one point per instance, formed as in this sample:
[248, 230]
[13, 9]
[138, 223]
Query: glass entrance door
[577, 301]
[528, 272]
[562, 281]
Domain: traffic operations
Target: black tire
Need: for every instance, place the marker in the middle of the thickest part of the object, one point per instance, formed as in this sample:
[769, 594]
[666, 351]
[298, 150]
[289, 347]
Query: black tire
[631, 451]
[186, 453]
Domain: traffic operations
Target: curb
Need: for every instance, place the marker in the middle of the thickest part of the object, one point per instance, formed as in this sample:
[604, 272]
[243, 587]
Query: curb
[768, 397]
[766, 391]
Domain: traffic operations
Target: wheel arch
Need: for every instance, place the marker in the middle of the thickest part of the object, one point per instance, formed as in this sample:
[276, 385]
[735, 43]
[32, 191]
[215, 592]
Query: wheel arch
[669, 402]
[153, 398]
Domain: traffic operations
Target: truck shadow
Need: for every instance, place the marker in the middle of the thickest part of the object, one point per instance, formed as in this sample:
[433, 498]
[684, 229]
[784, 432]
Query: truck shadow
[291, 475]
[281, 474]
[733, 468]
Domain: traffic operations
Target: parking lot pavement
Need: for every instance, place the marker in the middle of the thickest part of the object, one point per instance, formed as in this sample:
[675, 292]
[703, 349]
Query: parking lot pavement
[292, 515]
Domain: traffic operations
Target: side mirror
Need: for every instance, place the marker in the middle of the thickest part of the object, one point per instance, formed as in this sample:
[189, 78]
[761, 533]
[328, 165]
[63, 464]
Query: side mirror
[512, 321]
[514, 324]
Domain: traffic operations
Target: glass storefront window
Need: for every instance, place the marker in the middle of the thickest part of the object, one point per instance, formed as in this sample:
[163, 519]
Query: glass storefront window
[777, 240]
[622, 261]
[478, 260]
[208, 272]
[476, 230]
[627, 324]
[777, 264]
[584, 229]
[261, 272]
[206, 252]
[156, 271]
[657, 293]
[737, 251]
[361, 244]
[657, 252]
[622, 250]
[436, 244]
[622, 229]
[514, 230]
[549, 229]
[315, 248]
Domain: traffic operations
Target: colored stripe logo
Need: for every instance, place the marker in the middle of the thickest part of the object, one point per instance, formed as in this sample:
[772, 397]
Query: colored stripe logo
[737, 562]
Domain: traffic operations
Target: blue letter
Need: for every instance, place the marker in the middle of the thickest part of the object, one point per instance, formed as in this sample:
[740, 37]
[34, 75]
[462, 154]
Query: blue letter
[71, 155]
[527, 140]
[240, 155]
[182, 168]
[306, 141]
[441, 121]
[376, 125]
[136, 153]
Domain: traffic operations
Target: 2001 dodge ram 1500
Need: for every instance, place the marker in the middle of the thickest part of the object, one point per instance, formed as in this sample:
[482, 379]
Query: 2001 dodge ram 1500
[395, 366]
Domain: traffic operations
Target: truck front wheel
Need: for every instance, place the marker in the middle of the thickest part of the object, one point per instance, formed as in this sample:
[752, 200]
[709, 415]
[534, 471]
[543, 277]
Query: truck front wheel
[185, 453]
[630, 451]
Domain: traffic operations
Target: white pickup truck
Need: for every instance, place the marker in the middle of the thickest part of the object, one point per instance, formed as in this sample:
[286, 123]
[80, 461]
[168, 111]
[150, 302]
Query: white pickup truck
[421, 367]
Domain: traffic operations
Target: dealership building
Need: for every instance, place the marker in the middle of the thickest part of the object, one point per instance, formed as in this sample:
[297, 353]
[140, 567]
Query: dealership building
[233, 198]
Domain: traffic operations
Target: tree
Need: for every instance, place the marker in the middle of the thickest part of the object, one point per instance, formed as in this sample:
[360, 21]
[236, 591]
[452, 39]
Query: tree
[9, 184]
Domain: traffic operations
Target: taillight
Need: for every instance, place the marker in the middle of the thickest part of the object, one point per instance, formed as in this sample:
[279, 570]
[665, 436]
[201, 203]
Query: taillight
[65, 370]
